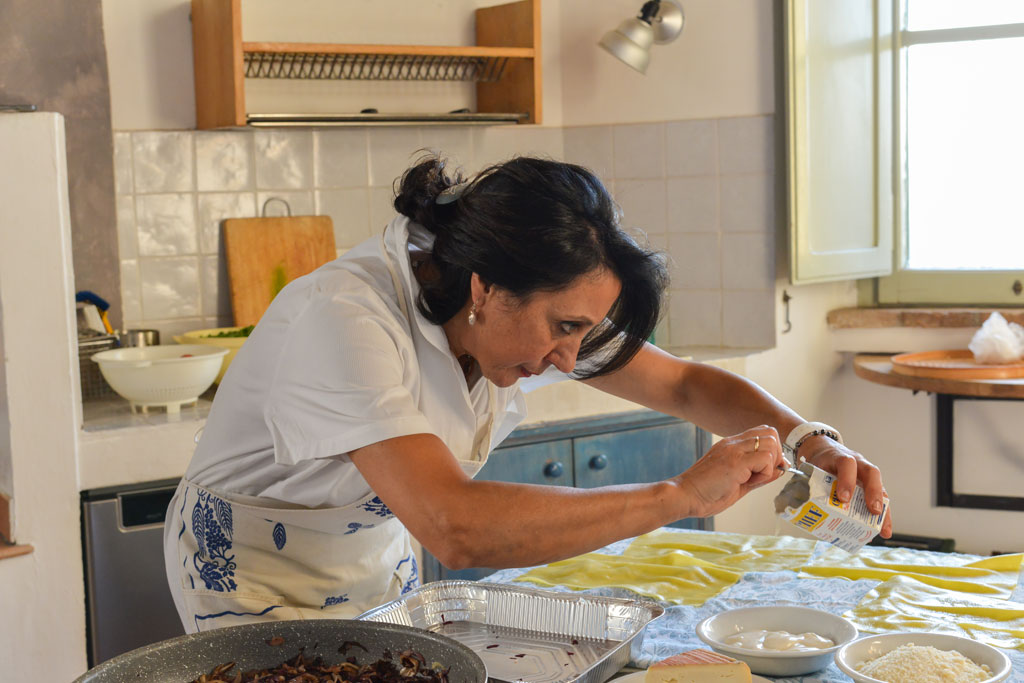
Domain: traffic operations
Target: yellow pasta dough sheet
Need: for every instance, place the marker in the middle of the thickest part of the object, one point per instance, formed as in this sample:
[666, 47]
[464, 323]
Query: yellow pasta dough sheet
[992, 576]
[677, 567]
[903, 603]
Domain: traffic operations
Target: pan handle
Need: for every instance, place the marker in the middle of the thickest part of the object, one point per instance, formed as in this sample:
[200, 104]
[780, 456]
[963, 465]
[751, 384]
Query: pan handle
[288, 208]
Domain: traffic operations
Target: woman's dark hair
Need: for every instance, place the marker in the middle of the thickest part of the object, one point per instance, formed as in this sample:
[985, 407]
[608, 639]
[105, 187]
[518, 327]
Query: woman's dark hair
[530, 225]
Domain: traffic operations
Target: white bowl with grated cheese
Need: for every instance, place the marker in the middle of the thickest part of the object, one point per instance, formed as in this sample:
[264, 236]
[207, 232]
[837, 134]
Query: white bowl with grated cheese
[922, 664]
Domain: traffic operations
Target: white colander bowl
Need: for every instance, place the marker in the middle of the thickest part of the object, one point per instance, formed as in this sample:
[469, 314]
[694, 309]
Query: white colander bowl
[167, 375]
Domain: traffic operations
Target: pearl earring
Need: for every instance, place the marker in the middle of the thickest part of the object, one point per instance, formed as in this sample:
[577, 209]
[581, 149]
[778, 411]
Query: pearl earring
[472, 314]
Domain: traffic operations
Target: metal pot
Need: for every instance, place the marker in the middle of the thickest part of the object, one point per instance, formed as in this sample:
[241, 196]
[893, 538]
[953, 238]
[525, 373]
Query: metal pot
[185, 658]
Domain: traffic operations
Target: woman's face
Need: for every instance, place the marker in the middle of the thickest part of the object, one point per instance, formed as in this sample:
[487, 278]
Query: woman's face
[513, 339]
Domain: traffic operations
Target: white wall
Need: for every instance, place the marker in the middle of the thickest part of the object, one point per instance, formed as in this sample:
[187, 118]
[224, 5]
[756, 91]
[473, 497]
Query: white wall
[149, 56]
[42, 616]
[721, 65]
[6, 458]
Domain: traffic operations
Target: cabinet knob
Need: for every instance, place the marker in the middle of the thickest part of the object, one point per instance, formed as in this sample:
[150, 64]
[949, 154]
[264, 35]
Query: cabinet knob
[553, 469]
[599, 462]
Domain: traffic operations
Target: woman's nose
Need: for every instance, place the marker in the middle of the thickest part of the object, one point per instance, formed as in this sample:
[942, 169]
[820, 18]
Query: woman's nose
[563, 356]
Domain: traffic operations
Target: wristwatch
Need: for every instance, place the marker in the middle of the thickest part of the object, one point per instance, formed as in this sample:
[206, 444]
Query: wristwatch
[805, 431]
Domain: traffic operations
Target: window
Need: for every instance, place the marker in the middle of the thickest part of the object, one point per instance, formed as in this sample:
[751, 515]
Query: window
[960, 154]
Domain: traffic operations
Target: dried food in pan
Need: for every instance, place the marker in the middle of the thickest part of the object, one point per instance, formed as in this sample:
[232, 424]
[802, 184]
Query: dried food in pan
[412, 667]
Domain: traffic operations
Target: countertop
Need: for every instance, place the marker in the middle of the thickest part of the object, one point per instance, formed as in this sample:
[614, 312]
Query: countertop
[118, 446]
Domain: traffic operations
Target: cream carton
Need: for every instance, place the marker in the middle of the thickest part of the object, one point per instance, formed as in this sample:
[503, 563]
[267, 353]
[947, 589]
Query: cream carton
[809, 501]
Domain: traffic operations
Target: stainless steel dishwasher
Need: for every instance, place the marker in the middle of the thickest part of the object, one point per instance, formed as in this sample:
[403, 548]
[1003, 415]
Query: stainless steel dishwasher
[128, 603]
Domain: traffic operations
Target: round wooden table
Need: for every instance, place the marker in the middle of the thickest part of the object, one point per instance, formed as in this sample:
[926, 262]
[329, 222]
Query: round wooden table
[878, 369]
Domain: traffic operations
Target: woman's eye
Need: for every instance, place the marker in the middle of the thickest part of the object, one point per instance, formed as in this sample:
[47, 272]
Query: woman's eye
[569, 327]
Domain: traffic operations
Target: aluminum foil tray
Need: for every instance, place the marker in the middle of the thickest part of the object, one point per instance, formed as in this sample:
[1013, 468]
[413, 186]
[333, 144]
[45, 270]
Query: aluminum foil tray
[527, 634]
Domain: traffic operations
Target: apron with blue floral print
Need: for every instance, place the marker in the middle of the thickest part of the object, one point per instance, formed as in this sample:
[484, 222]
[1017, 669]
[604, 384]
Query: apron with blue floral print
[234, 559]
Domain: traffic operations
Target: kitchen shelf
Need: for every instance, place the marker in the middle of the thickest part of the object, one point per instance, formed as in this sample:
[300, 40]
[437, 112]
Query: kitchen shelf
[505, 65]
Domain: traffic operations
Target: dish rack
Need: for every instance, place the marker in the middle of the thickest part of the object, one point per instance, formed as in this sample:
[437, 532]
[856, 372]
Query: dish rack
[93, 384]
[504, 64]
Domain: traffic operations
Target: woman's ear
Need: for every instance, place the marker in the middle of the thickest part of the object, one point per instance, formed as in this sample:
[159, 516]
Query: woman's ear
[479, 289]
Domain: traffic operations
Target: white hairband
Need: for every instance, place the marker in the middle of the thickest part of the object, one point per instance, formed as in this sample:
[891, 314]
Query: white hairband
[452, 193]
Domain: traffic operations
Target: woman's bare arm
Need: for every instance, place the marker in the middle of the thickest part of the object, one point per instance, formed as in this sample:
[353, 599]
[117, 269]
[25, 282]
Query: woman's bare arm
[469, 523]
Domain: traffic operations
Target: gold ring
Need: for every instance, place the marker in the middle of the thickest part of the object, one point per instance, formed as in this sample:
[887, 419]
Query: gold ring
[757, 442]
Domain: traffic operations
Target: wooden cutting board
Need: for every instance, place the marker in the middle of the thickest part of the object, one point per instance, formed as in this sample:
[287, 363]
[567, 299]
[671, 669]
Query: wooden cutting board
[265, 254]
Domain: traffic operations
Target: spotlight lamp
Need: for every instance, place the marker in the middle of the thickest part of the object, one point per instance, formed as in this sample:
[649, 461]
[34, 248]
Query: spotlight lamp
[659, 21]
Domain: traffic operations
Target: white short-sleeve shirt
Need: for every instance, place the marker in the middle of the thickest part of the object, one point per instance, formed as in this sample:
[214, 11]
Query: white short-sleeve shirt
[334, 365]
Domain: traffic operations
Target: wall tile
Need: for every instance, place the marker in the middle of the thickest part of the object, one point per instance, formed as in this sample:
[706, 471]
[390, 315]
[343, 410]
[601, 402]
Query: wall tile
[658, 242]
[639, 150]
[454, 143]
[225, 320]
[691, 148]
[748, 319]
[746, 145]
[213, 208]
[224, 161]
[392, 151]
[162, 161]
[123, 181]
[382, 208]
[174, 326]
[591, 147]
[538, 141]
[131, 292]
[643, 204]
[284, 159]
[696, 261]
[350, 213]
[127, 233]
[692, 204]
[696, 318]
[748, 203]
[341, 157]
[661, 330]
[167, 224]
[299, 203]
[170, 287]
[700, 191]
[492, 145]
[215, 288]
[748, 261]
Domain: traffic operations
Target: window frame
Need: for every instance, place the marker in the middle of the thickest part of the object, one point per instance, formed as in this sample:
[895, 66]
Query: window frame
[937, 287]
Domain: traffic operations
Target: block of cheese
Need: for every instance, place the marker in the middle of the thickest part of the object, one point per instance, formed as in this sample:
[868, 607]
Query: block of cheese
[698, 666]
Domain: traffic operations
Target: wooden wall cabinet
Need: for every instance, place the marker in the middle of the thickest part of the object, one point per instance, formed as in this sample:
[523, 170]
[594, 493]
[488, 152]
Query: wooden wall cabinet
[635, 447]
[505, 64]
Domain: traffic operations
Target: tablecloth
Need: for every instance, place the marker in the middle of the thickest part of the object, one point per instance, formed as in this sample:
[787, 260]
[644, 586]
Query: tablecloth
[675, 631]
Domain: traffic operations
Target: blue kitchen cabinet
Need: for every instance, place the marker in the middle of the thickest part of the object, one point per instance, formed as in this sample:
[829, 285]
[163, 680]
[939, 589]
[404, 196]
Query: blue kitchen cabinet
[634, 447]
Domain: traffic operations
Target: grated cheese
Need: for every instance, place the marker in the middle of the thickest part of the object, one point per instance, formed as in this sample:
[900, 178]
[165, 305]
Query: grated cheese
[924, 664]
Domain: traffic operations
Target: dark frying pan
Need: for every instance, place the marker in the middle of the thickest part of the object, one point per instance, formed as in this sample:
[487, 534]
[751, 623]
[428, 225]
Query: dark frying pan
[183, 659]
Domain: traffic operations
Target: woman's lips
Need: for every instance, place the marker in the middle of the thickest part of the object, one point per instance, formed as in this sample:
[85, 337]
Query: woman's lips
[524, 372]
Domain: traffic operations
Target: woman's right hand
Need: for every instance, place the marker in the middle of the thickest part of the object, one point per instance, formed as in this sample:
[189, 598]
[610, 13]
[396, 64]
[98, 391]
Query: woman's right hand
[730, 469]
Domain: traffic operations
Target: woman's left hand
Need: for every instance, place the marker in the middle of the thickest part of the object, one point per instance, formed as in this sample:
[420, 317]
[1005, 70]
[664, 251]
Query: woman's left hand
[850, 467]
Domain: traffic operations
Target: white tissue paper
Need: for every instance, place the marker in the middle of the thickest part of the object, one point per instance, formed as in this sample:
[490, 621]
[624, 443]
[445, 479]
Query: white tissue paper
[998, 341]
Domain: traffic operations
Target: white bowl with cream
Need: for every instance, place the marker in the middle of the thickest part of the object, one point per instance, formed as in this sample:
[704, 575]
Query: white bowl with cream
[858, 652]
[779, 640]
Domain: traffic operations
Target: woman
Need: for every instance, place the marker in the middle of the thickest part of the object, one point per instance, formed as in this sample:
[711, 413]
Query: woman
[373, 389]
